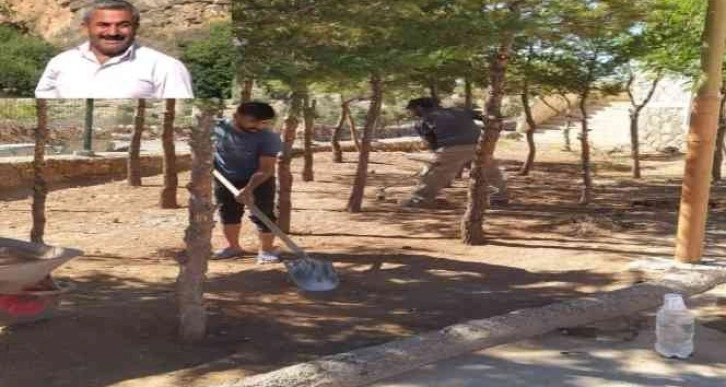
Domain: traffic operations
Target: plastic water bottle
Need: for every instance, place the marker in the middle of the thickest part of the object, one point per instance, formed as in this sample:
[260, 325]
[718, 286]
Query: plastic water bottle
[674, 328]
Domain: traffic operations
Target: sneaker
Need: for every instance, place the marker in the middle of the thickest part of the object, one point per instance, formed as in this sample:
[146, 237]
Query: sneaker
[264, 257]
[228, 253]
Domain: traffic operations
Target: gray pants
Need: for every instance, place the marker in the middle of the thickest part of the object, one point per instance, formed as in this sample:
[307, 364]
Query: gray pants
[441, 169]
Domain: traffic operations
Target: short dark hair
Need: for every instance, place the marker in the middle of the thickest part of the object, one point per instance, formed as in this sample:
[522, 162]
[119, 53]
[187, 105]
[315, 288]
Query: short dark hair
[259, 110]
[122, 5]
[424, 103]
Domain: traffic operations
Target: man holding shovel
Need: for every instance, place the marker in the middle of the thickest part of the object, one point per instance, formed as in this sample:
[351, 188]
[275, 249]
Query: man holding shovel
[452, 135]
[246, 154]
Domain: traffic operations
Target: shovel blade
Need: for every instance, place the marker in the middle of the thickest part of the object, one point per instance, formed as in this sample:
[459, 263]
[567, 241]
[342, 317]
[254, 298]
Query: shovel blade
[312, 275]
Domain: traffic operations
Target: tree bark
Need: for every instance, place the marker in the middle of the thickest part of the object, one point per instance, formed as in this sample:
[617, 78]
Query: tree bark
[353, 131]
[468, 94]
[720, 137]
[433, 91]
[309, 123]
[335, 139]
[531, 128]
[568, 124]
[171, 180]
[355, 201]
[693, 211]
[40, 189]
[247, 86]
[198, 236]
[586, 196]
[88, 127]
[284, 174]
[134, 162]
[472, 231]
[634, 118]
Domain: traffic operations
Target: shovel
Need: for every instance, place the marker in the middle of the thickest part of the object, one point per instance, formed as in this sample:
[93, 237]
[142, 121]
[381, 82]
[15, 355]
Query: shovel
[308, 274]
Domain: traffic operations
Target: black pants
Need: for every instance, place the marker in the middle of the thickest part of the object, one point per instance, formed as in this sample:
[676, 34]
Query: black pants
[231, 211]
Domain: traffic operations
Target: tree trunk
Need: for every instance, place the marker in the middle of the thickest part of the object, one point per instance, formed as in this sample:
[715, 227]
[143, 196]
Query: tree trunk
[171, 180]
[40, 189]
[634, 118]
[695, 192]
[568, 124]
[353, 130]
[468, 94]
[531, 127]
[355, 201]
[284, 174]
[635, 142]
[134, 162]
[472, 231]
[720, 137]
[586, 196]
[88, 128]
[433, 91]
[335, 139]
[198, 236]
[247, 86]
[309, 122]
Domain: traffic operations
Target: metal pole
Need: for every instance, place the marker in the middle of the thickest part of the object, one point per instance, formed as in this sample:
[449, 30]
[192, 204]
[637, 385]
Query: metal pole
[693, 211]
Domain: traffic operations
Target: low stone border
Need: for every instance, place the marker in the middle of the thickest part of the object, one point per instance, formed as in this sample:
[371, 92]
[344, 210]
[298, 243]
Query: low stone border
[367, 365]
[17, 172]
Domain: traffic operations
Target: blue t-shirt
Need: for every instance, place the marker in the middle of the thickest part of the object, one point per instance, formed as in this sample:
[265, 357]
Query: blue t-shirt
[237, 152]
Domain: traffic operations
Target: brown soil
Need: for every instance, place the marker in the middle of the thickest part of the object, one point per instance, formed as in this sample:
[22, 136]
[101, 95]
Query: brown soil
[402, 272]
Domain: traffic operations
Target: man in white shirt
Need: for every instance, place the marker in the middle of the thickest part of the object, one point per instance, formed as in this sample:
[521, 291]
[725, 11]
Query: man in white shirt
[110, 64]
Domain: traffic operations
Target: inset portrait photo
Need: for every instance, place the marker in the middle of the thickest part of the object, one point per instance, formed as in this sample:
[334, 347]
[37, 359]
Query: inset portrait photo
[113, 49]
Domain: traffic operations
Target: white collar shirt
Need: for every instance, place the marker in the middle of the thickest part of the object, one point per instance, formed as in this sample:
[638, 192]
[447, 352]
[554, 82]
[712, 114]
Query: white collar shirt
[140, 72]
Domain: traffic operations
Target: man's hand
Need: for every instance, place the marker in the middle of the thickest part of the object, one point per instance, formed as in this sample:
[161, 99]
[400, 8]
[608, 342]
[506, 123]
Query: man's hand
[246, 197]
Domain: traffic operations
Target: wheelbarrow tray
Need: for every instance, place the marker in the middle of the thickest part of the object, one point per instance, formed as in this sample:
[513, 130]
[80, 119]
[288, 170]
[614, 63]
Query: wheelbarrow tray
[24, 264]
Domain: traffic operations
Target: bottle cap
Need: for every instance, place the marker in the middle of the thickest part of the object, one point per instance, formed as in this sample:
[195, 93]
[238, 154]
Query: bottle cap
[673, 301]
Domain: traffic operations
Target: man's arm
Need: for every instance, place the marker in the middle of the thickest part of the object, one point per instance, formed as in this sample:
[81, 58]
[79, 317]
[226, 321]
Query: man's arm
[175, 82]
[265, 171]
[46, 87]
[426, 131]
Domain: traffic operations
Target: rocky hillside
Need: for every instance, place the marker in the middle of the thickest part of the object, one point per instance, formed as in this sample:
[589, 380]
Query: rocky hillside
[162, 21]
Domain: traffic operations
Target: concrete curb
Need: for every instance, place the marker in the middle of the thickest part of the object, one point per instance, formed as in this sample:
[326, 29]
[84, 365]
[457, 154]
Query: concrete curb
[367, 365]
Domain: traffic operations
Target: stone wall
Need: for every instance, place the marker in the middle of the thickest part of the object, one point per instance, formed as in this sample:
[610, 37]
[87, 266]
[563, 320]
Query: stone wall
[18, 172]
[664, 121]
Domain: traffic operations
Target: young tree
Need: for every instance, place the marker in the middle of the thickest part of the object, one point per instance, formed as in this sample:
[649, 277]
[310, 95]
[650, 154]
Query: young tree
[720, 136]
[472, 231]
[635, 111]
[335, 138]
[211, 59]
[693, 208]
[40, 189]
[22, 59]
[284, 174]
[134, 159]
[171, 180]
[309, 112]
[247, 86]
[355, 200]
[596, 43]
[198, 236]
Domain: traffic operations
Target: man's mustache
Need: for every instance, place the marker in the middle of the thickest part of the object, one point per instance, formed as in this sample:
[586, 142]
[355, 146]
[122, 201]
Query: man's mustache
[113, 37]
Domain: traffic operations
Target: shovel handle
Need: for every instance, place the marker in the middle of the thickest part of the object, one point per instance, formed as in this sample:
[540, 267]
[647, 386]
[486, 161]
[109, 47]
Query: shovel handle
[261, 216]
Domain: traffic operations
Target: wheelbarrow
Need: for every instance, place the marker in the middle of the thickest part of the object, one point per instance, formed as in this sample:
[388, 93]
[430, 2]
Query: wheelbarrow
[27, 291]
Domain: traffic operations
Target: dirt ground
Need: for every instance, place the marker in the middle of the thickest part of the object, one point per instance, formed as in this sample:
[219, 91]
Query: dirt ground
[402, 272]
